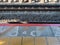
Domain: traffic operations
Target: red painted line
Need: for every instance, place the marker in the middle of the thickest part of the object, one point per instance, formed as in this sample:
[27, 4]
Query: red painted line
[29, 24]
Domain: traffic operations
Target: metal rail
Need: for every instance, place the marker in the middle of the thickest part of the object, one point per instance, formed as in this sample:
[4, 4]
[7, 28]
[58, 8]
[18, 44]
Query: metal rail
[37, 7]
[30, 9]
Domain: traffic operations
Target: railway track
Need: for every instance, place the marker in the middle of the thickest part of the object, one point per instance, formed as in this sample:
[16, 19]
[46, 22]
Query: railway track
[29, 9]
[30, 17]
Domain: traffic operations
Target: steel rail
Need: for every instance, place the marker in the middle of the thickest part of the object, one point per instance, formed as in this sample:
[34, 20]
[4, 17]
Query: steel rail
[30, 9]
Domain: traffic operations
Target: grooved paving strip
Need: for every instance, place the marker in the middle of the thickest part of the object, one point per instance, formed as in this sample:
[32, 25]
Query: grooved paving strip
[30, 41]
[15, 41]
[53, 41]
[11, 41]
[4, 41]
[40, 41]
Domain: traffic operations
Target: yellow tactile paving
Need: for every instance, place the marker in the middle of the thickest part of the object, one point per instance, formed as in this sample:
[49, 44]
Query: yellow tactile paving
[15, 41]
[28, 41]
[53, 41]
[40, 41]
[4, 41]
[11, 41]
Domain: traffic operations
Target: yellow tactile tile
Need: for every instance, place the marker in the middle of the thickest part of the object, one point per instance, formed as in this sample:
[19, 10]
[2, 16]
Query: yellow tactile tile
[28, 41]
[40, 41]
[4, 41]
[11, 41]
[53, 41]
[15, 41]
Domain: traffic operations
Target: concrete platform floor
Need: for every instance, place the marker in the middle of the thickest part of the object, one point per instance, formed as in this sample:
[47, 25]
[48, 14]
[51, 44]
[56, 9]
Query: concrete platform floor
[29, 31]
